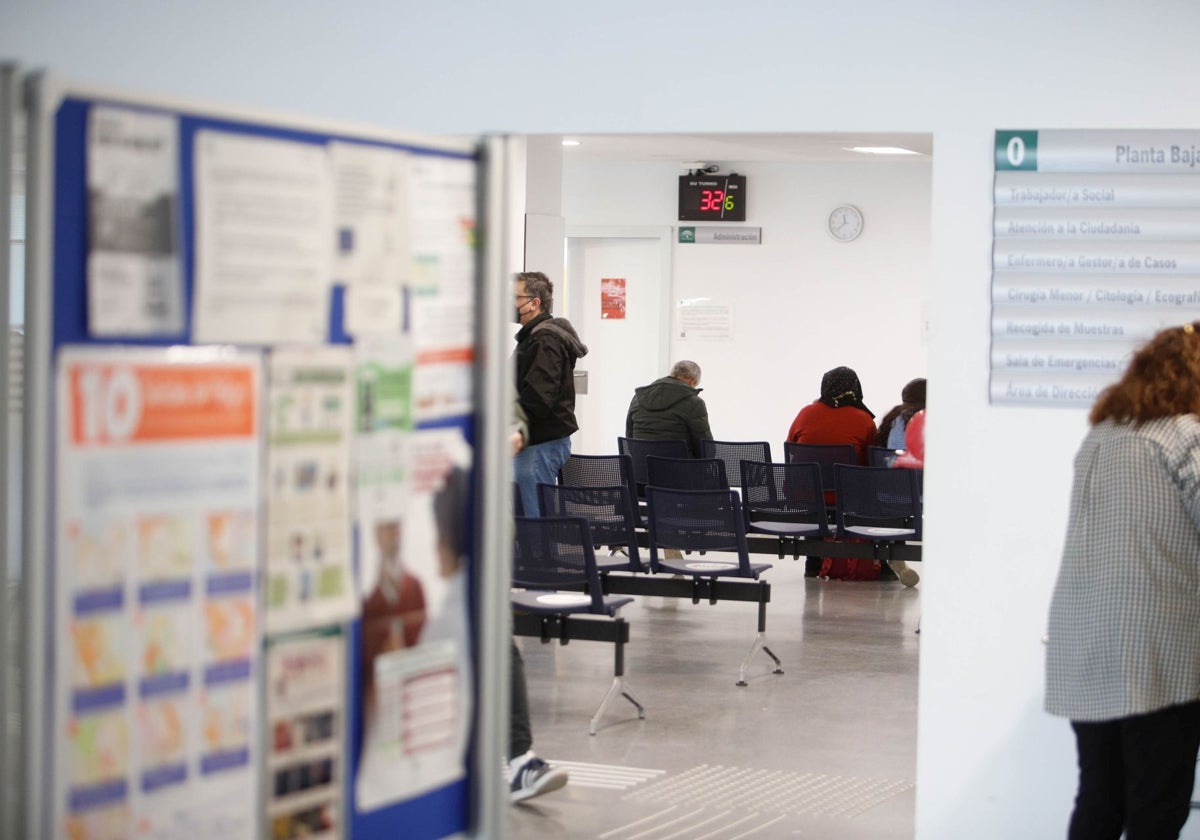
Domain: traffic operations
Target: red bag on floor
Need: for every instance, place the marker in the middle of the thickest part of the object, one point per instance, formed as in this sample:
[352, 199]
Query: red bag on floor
[849, 568]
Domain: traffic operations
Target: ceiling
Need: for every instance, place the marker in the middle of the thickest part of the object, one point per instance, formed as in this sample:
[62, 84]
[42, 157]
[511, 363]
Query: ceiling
[743, 148]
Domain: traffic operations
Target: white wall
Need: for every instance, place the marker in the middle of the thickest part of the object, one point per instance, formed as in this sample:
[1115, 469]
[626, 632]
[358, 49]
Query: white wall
[803, 302]
[990, 764]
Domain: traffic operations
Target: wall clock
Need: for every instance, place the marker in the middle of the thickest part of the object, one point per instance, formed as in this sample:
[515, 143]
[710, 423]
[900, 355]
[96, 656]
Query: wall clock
[845, 223]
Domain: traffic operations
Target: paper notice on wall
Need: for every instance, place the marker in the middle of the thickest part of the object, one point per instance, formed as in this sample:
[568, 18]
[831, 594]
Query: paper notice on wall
[309, 564]
[134, 279]
[306, 684]
[442, 212]
[373, 257]
[444, 335]
[703, 319]
[156, 593]
[264, 240]
[415, 655]
[612, 298]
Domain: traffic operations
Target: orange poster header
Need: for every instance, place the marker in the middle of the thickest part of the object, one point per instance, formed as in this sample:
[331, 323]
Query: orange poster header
[131, 403]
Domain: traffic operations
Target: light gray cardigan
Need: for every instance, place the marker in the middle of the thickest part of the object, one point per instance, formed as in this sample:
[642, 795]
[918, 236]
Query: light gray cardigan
[1124, 633]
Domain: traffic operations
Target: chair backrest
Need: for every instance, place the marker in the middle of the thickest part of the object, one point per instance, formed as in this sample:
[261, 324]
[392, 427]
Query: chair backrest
[827, 455]
[696, 520]
[686, 473]
[555, 552]
[638, 449]
[784, 493]
[734, 452]
[517, 505]
[878, 497]
[608, 510]
[598, 471]
[881, 456]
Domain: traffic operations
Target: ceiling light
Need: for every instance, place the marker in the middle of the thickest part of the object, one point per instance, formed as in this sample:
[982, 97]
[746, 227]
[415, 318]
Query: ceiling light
[570, 142]
[880, 150]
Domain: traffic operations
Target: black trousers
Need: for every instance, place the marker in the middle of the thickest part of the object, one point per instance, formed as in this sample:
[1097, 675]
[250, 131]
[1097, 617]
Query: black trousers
[1136, 775]
[520, 736]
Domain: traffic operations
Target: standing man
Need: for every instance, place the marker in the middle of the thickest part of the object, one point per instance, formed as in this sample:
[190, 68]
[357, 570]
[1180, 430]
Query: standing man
[670, 409]
[547, 349]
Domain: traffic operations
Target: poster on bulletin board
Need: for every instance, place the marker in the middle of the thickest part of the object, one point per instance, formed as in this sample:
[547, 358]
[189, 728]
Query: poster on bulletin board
[157, 592]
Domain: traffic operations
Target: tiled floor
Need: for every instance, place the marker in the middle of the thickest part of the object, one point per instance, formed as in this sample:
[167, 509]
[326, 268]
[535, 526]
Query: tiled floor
[826, 750]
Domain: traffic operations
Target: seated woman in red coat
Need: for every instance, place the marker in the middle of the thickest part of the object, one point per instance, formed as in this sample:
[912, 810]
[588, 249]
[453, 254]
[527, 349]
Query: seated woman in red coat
[839, 416]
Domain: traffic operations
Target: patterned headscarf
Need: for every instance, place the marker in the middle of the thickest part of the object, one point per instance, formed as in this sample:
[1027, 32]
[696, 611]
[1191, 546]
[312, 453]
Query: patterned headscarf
[840, 387]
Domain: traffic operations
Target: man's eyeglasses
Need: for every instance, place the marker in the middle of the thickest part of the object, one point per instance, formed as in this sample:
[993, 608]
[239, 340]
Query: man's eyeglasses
[524, 297]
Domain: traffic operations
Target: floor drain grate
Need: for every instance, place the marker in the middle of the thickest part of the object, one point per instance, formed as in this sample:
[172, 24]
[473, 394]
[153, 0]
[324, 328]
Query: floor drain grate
[814, 794]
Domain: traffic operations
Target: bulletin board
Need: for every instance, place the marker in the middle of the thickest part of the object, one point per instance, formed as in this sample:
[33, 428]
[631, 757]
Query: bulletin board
[250, 471]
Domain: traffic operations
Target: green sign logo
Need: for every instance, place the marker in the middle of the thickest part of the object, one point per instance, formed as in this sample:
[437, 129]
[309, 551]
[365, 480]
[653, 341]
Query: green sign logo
[687, 234]
[1016, 150]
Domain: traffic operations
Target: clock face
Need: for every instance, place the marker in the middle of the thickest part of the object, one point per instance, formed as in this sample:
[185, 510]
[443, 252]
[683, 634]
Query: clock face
[845, 223]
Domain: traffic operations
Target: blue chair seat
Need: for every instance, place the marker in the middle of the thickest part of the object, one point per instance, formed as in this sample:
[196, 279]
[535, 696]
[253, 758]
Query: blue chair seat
[702, 567]
[565, 603]
[876, 532]
[788, 529]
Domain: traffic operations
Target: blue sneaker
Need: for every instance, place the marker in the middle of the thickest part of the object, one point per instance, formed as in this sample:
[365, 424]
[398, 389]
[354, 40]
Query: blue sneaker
[535, 777]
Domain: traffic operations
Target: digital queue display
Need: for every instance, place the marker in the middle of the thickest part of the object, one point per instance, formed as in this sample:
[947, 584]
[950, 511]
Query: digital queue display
[712, 198]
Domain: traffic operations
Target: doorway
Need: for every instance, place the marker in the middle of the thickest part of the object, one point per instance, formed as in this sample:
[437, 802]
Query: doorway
[627, 344]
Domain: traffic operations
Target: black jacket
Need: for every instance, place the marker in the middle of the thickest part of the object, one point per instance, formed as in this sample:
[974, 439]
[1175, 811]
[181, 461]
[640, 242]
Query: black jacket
[547, 349]
[668, 409]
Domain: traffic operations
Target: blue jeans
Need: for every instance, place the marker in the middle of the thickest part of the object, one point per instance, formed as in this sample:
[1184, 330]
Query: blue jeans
[539, 464]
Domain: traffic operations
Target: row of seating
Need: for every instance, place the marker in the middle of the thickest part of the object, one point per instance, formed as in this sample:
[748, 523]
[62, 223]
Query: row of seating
[785, 500]
[734, 452]
[689, 506]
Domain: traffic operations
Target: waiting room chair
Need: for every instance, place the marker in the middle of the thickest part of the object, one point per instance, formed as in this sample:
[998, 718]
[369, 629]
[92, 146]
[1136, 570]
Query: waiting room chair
[552, 562]
[704, 520]
[734, 452]
[610, 517]
[878, 503]
[686, 473]
[827, 455]
[638, 450]
[784, 500]
[881, 456]
[602, 471]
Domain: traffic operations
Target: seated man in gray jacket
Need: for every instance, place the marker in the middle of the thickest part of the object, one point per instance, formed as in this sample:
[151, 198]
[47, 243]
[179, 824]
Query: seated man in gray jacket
[670, 409]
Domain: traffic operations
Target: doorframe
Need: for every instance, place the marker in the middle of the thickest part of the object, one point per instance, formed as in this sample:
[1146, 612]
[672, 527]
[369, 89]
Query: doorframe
[661, 233]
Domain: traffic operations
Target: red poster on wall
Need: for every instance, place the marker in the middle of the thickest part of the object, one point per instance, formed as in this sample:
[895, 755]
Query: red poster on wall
[612, 297]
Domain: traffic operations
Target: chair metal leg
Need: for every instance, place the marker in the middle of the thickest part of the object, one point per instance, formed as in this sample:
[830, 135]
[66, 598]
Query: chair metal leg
[618, 686]
[760, 641]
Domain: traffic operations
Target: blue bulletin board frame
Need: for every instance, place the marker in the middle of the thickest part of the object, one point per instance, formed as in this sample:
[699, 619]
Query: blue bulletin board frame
[439, 813]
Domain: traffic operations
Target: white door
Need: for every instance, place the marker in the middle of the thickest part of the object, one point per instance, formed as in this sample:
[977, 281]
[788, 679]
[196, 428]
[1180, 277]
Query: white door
[623, 353]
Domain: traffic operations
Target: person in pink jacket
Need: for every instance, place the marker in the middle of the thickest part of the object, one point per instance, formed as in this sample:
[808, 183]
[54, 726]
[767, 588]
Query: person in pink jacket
[912, 458]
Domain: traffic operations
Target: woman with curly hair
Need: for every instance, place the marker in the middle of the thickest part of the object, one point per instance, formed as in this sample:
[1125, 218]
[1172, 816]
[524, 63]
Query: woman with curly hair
[1123, 655]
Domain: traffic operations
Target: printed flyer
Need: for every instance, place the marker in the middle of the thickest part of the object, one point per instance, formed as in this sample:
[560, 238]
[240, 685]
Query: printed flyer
[306, 684]
[134, 277]
[442, 290]
[156, 587]
[309, 571]
[415, 654]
